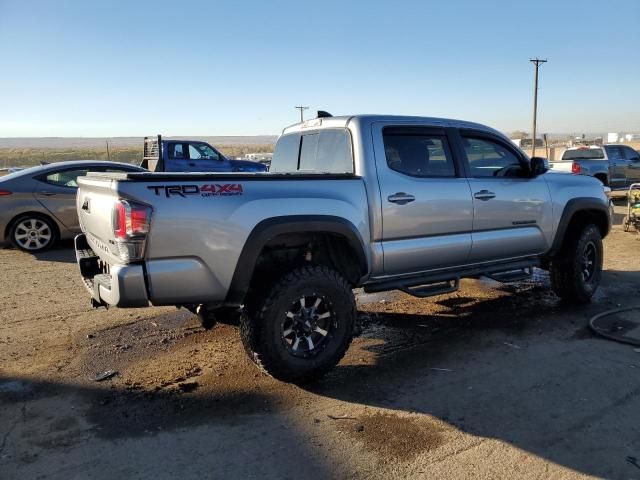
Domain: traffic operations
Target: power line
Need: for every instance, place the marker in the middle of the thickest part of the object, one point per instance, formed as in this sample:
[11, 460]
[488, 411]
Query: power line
[302, 109]
[537, 62]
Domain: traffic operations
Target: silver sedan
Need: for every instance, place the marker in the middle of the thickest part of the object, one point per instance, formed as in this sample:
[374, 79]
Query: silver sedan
[38, 204]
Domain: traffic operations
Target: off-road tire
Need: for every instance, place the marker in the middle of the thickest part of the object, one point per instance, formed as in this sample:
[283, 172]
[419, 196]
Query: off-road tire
[35, 217]
[263, 316]
[566, 272]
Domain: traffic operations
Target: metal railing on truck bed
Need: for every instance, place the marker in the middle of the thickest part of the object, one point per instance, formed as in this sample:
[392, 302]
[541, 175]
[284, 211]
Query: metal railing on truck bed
[152, 154]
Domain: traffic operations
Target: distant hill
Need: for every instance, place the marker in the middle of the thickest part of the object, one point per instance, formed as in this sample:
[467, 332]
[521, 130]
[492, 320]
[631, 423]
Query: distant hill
[97, 142]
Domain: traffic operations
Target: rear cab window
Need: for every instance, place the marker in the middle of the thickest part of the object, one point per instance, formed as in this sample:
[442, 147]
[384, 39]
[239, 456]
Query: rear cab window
[320, 151]
[583, 154]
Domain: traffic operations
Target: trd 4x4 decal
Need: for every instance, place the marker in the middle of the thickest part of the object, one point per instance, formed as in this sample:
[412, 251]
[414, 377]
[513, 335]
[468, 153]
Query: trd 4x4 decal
[207, 190]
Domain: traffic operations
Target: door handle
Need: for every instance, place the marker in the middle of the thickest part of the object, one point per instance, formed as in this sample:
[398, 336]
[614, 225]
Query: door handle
[192, 164]
[48, 194]
[401, 198]
[484, 195]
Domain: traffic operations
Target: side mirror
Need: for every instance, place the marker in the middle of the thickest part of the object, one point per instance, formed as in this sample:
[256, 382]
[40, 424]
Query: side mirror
[539, 166]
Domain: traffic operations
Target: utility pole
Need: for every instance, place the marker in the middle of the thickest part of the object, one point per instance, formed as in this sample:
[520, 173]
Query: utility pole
[537, 62]
[302, 109]
[108, 154]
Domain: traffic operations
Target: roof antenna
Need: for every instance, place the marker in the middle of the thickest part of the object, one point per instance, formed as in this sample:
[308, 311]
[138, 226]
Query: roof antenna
[323, 114]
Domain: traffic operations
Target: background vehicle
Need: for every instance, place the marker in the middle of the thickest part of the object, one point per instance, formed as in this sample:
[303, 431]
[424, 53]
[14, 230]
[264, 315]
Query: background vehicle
[382, 202]
[38, 204]
[617, 166]
[190, 156]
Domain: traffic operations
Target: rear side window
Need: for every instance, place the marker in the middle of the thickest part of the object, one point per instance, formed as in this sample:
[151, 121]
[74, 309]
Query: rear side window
[324, 151]
[488, 158]
[177, 151]
[583, 154]
[418, 155]
[65, 178]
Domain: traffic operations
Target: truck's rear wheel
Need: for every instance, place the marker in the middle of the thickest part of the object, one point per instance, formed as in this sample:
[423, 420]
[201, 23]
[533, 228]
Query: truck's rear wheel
[302, 326]
[576, 270]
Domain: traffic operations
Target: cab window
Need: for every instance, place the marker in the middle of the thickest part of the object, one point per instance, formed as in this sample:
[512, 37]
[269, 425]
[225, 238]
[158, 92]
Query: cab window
[199, 151]
[489, 158]
[177, 151]
[418, 155]
[631, 154]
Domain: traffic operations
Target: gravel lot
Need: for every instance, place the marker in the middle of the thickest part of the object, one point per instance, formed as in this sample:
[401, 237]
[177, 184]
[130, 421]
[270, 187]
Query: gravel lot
[492, 381]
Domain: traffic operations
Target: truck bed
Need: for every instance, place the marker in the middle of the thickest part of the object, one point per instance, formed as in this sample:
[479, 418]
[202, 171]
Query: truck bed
[200, 222]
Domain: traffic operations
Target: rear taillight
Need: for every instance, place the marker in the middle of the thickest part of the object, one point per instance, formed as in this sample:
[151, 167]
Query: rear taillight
[4, 193]
[130, 227]
[575, 168]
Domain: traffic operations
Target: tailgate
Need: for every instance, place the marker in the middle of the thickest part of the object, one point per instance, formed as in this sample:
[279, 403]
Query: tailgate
[561, 165]
[94, 203]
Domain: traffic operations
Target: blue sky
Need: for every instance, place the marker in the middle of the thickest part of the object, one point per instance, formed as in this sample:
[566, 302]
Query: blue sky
[128, 68]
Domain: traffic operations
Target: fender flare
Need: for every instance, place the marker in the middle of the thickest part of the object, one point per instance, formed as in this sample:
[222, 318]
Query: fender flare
[572, 207]
[270, 228]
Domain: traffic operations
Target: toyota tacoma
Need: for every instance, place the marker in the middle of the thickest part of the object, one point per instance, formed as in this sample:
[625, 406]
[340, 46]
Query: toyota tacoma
[378, 202]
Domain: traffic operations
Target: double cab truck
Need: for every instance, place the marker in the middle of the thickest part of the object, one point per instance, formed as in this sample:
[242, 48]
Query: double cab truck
[379, 202]
[174, 155]
[616, 166]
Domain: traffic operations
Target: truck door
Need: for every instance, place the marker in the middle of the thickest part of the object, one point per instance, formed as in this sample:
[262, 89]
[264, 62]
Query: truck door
[617, 166]
[632, 172]
[177, 158]
[427, 212]
[512, 211]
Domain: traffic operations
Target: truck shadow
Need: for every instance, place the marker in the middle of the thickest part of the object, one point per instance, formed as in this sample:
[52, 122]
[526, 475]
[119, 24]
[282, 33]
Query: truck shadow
[521, 368]
[166, 435]
[524, 369]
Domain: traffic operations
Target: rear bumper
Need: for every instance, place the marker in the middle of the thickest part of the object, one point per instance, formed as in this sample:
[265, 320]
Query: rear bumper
[115, 285]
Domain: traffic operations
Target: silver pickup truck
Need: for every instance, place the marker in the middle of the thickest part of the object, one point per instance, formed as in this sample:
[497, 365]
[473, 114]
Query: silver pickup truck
[379, 202]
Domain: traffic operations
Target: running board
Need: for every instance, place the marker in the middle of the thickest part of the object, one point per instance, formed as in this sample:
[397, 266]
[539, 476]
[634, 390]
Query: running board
[447, 281]
[511, 275]
[430, 290]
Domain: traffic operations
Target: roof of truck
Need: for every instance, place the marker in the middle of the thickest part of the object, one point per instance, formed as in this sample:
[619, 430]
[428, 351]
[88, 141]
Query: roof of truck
[368, 119]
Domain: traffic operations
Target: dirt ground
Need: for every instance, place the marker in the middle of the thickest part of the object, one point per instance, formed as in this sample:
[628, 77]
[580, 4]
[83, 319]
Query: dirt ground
[492, 381]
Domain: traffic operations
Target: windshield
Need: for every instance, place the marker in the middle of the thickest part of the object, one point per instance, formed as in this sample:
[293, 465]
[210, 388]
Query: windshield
[584, 153]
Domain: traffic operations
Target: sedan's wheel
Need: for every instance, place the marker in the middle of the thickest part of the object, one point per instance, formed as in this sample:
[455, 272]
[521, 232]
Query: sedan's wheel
[33, 233]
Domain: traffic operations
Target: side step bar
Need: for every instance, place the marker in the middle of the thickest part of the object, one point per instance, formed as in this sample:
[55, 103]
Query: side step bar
[430, 290]
[438, 283]
[511, 275]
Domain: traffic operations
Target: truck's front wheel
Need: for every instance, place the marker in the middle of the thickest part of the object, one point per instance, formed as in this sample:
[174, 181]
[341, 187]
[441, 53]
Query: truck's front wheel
[576, 270]
[302, 326]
